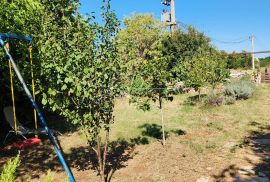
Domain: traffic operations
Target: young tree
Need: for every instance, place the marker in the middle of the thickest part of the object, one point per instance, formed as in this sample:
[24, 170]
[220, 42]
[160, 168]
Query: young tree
[81, 70]
[142, 48]
[155, 77]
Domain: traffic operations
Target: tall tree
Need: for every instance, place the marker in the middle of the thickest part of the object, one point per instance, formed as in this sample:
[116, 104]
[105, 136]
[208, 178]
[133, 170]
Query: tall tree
[184, 44]
[135, 40]
[81, 71]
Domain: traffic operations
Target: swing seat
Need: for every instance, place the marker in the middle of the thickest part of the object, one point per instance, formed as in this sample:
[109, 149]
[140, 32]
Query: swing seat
[27, 143]
[21, 130]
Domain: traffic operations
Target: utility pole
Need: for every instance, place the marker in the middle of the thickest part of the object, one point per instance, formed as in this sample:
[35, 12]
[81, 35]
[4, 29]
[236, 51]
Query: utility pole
[169, 16]
[253, 55]
[173, 18]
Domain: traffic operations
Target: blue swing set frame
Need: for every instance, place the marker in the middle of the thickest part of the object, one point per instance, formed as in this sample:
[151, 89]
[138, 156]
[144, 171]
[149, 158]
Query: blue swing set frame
[3, 37]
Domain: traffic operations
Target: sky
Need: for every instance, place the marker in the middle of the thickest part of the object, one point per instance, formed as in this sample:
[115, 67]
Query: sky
[229, 23]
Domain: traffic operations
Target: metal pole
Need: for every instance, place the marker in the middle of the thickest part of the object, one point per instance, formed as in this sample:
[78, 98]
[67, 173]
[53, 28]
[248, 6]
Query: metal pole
[30, 48]
[43, 122]
[173, 18]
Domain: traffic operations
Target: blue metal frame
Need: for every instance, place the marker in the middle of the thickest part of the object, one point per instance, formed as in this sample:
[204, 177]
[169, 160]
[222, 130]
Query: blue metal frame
[13, 36]
[43, 122]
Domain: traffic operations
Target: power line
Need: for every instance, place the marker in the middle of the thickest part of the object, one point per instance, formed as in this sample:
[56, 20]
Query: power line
[230, 42]
[257, 52]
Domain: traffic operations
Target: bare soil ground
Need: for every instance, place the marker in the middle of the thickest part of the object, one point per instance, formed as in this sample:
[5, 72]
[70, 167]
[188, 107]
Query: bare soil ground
[235, 148]
[152, 162]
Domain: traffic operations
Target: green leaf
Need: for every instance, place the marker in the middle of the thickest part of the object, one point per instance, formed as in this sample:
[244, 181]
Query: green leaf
[64, 87]
[68, 80]
[44, 101]
[52, 92]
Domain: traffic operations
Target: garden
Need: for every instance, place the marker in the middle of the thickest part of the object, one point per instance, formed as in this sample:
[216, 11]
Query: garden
[124, 100]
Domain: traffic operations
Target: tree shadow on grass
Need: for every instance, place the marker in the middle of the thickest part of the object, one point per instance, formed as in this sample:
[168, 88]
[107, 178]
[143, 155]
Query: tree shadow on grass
[119, 153]
[37, 160]
[178, 132]
[155, 131]
[152, 130]
[194, 100]
[259, 142]
[139, 140]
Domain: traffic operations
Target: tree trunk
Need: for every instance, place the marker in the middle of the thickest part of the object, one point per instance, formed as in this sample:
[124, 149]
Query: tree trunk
[100, 163]
[105, 154]
[162, 121]
[199, 91]
[102, 157]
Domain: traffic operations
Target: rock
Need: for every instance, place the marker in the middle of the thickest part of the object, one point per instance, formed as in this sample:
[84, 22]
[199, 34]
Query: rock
[203, 179]
[209, 168]
[246, 170]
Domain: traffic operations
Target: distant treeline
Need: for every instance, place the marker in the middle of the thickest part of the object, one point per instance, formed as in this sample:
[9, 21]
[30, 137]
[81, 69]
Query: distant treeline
[236, 61]
[265, 62]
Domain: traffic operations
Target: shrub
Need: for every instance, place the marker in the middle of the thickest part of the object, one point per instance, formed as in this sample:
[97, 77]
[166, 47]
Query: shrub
[242, 89]
[213, 99]
[8, 173]
[229, 100]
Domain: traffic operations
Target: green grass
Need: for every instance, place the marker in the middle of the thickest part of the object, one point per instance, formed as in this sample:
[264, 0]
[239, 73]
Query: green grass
[206, 128]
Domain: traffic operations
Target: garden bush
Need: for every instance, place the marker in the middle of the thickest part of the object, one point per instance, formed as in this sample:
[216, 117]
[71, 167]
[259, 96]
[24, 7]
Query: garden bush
[242, 89]
[213, 99]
